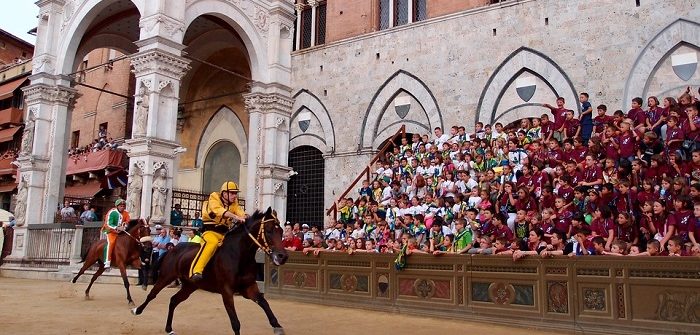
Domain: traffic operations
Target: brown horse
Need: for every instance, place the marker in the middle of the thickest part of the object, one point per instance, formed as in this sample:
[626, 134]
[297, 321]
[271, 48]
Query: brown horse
[127, 251]
[231, 270]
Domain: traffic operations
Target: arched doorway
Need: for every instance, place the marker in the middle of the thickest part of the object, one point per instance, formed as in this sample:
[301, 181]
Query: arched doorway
[223, 163]
[305, 190]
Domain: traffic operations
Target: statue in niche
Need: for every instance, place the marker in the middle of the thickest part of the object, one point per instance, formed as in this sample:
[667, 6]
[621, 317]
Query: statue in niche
[28, 135]
[21, 204]
[141, 115]
[160, 192]
[134, 188]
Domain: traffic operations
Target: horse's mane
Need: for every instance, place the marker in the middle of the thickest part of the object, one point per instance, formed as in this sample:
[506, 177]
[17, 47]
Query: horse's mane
[258, 215]
[132, 223]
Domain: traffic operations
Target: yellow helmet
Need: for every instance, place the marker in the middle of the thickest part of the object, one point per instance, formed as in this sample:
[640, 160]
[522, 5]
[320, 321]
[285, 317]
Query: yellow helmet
[229, 186]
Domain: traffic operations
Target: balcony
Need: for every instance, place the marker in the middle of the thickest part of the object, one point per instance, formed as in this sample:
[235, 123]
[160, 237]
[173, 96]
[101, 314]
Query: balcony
[11, 116]
[6, 166]
[95, 161]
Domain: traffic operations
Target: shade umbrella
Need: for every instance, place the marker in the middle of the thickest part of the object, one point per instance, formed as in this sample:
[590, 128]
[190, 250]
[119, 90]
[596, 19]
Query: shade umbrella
[115, 179]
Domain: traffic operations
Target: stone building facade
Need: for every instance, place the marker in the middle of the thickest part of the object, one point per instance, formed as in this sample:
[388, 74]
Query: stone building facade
[467, 66]
[170, 45]
[331, 83]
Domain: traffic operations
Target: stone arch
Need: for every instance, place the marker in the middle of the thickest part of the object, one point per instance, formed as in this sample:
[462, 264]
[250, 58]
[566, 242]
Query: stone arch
[679, 32]
[222, 153]
[520, 60]
[401, 81]
[324, 139]
[219, 129]
[234, 16]
[76, 27]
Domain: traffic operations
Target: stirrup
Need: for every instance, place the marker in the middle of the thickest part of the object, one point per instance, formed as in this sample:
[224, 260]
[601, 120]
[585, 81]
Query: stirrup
[107, 265]
[196, 277]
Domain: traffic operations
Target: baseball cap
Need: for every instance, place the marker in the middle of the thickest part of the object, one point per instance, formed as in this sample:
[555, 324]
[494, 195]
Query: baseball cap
[304, 226]
[159, 227]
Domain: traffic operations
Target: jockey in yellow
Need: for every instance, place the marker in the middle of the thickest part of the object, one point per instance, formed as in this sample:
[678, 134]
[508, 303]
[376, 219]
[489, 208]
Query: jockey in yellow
[219, 214]
[115, 220]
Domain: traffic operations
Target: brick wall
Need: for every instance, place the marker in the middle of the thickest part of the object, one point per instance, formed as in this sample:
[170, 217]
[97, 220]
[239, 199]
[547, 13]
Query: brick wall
[10, 49]
[443, 7]
[93, 107]
[350, 18]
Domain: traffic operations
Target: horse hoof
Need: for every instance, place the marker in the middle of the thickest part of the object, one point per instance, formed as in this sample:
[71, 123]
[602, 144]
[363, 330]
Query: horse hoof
[278, 331]
[172, 332]
[144, 287]
[131, 304]
[134, 311]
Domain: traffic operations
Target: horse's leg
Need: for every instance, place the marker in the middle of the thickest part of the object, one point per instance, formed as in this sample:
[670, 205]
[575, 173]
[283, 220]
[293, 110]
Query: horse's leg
[87, 264]
[162, 282]
[253, 293]
[185, 290]
[94, 277]
[122, 270]
[227, 296]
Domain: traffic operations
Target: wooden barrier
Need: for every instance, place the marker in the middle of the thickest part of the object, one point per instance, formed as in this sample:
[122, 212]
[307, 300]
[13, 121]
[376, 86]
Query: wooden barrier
[596, 294]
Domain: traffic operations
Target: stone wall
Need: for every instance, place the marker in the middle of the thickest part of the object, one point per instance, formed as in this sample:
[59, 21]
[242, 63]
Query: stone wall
[464, 67]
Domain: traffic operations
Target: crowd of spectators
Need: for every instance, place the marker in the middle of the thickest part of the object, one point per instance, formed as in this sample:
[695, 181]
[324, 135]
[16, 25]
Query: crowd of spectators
[601, 183]
[102, 142]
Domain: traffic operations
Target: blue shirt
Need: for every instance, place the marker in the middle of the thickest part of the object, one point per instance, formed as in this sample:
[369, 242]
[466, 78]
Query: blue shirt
[160, 239]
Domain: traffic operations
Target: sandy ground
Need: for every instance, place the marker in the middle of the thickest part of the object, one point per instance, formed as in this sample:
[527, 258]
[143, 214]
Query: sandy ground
[50, 307]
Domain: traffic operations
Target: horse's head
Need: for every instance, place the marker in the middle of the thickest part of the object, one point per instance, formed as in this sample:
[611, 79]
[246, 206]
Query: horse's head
[269, 236]
[139, 229]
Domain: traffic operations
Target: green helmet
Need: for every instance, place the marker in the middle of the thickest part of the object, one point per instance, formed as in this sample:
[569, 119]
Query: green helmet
[119, 202]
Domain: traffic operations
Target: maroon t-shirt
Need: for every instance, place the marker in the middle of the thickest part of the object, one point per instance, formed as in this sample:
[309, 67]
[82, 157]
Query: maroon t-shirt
[559, 117]
[610, 150]
[591, 174]
[602, 227]
[674, 134]
[600, 122]
[579, 154]
[504, 232]
[528, 205]
[571, 127]
[566, 192]
[690, 134]
[684, 224]
[643, 197]
[554, 157]
[638, 116]
[627, 145]
[563, 221]
[627, 233]
[546, 129]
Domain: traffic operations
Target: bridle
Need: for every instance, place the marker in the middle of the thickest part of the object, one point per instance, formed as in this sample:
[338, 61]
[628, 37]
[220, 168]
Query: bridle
[264, 245]
[138, 240]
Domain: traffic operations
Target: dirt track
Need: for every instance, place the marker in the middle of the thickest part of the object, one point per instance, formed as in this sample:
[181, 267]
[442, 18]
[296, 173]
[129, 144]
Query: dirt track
[50, 307]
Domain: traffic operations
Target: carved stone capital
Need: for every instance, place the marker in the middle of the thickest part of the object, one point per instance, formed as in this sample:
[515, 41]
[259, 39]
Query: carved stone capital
[268, 103]
[313, 3]
[299, 7]
[161, 24]
[37, 93]
[157, 61]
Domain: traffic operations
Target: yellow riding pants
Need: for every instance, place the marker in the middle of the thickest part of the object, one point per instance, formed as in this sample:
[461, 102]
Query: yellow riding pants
[212, 240]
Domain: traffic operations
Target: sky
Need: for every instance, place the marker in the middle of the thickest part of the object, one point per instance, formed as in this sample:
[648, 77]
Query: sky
[19, 18]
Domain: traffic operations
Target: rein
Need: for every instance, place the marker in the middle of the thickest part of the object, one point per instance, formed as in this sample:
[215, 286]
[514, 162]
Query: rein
[134, 238]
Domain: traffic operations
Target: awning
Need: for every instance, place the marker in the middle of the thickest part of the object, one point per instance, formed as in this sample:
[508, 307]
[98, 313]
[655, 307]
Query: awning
[87, 190]
[8, 134]
[7, 187]
[115, 179]
[8, 89]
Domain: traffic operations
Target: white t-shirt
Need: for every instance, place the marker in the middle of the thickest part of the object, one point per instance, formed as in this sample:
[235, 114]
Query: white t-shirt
[516, 158]
[439, 141]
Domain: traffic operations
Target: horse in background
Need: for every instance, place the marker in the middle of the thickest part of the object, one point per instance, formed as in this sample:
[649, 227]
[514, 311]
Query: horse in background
[127, 251]
[231, 270]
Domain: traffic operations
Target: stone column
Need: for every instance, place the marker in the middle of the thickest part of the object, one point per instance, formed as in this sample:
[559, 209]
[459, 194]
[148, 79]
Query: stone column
[314, 5]
[392, 13]
[42, 159]
[152, 150]
[410, 11]
[299, 8]
[269, 107]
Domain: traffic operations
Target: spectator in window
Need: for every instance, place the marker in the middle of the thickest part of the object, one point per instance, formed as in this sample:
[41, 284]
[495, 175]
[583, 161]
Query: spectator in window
[67, 212]
[102, 133]
[88, 214]
[291, 242]
[197, 221]
[176, 216]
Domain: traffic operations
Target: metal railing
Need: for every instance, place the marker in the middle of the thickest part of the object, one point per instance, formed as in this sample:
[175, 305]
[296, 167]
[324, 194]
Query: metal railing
[92, 232]
[368, 169]
[49, 245]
